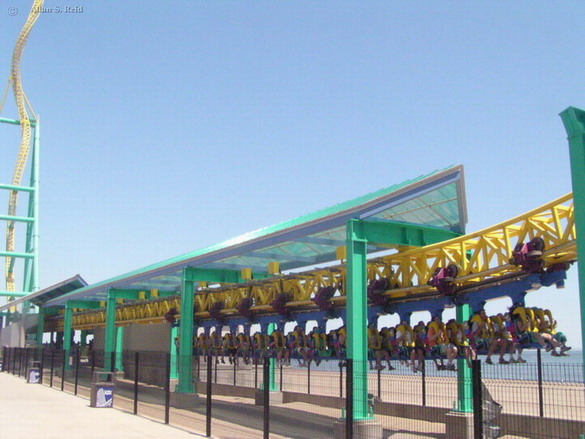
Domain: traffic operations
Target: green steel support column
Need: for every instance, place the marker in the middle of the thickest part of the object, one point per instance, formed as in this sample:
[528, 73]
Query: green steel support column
[357, 320]
[110, 332]
[185, 384]
[36, 185]
[173, 350]
[574, 121]
[119, 348]
[40, 327]
[83, 338]
[67, 332]
[273, 386]
[31, 268]
[464, 382]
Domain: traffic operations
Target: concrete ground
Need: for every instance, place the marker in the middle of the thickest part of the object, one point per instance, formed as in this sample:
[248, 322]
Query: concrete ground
[36, 411]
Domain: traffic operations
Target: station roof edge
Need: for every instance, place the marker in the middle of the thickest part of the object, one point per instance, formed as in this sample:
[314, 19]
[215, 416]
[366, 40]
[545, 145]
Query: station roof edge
[350, 209]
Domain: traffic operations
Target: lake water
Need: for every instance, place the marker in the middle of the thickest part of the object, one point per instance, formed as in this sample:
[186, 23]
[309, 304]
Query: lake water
[567, 369]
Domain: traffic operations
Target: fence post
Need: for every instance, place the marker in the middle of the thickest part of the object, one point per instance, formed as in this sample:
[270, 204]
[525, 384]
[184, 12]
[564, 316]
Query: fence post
[235, 370]
[379, 383]
[92, 363]
[281, 377]
[215, 377]
[52, 365]
[77, 359]
[477, 400]
[5, 358]
[540, 395]
[65, 360]
[208, 399]
[168, 388]
[255, 373]
[309, 378]
[424, 383]
[42, 365]
[198, 368]
[20, 355]
[25, 362]
[136, 360]
[266, 399]
[340, 380]
[349, 398]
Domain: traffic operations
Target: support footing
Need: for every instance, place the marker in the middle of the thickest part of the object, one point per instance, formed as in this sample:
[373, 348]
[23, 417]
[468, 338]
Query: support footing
[364, 429]
[459, 425]
[184, 400]
[276, 397]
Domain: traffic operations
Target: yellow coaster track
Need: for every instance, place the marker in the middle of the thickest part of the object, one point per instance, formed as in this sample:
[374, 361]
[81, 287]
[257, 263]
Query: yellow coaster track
[482, 257]
[25, 128]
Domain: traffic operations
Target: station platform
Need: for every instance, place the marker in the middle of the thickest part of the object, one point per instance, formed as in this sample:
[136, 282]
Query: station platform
[30, 410]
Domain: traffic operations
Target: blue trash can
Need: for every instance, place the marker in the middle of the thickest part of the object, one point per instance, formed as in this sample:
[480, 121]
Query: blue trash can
[33, 373]
[102, 390]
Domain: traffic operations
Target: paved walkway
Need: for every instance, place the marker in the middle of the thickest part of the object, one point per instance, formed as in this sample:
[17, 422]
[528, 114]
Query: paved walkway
[36, 411]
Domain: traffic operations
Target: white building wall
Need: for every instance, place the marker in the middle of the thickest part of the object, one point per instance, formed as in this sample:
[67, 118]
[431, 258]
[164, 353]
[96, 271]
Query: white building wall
[139, 337]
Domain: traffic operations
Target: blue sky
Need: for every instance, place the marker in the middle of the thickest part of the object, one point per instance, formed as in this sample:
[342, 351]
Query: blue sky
[168, 126]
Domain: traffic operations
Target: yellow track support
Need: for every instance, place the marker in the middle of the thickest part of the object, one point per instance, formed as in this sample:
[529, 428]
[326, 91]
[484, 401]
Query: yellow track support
[21, 104]
[481, 257]
[485, 255]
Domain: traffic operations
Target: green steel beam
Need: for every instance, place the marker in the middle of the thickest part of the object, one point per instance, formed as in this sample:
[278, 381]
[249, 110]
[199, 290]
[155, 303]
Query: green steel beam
[17, 254]
[13, 293]
[119, 348]
[11, 187]
[273, 386]
[174, 333]
[357, 317]
[10, 121]
[132, 294]
[30, 265]
[185, 384]
[359, 234]
[110, 333]
[35, 182]
[67, 332]
[123, 294]
[20, 219]
[397, 233]
[574, 121]
[16, 121]
[464, 381]
[83, 304]
[213, 275]
[189, 277]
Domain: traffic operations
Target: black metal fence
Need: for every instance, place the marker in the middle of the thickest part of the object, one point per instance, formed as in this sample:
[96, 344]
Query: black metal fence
[534, 400]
